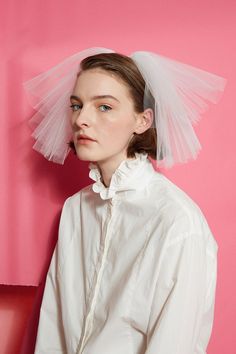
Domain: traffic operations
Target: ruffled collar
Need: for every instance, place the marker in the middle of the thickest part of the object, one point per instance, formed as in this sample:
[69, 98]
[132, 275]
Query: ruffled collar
[126, 176]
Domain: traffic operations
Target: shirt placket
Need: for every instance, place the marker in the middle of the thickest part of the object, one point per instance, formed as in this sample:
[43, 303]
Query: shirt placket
[89, 318]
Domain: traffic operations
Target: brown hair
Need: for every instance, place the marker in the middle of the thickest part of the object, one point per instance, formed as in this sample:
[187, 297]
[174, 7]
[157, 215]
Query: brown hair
[126, 69]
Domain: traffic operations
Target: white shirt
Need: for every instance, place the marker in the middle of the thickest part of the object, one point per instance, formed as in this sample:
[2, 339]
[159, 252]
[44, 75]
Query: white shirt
[134, 269]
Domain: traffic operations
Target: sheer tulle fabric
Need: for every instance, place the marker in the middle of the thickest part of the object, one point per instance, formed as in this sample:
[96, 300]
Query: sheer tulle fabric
[177, 93]
[49, 94]
[180, 95]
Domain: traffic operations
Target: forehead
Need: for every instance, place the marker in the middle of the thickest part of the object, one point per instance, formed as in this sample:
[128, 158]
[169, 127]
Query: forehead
[97, 81]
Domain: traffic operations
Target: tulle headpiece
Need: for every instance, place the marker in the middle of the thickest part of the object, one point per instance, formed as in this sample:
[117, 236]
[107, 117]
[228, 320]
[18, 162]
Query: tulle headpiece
[178, 94]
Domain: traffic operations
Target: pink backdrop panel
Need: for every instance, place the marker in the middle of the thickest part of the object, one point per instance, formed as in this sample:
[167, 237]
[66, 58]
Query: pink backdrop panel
[37, 35]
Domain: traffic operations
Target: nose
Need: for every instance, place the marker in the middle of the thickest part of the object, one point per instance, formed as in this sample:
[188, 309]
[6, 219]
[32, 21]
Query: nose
[81, 119]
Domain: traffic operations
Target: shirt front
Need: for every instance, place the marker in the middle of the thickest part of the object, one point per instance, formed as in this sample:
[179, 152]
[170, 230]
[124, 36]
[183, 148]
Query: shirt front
[134, 269]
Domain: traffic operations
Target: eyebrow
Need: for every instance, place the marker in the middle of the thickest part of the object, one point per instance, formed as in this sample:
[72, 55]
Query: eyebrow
[94, 97]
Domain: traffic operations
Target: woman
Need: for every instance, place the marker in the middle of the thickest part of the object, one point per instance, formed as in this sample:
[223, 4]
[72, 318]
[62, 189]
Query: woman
[135, 266]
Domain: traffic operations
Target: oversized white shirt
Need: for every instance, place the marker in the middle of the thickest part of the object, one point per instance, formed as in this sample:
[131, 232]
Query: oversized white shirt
[134, 269]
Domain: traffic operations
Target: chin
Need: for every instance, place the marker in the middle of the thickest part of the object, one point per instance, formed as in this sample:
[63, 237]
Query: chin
[86, 155]
[83, 157]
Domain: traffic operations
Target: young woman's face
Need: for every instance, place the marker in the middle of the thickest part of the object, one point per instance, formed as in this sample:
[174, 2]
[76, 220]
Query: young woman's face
[109, 121]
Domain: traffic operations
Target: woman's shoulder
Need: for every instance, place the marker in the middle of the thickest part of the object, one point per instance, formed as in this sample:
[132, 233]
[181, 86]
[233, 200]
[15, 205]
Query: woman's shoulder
[179, 211]
[170, 195]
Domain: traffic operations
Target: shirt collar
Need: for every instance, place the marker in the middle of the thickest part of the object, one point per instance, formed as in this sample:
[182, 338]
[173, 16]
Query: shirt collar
[131, 175]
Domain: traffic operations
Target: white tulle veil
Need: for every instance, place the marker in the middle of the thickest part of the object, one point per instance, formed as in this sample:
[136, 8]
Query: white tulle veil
[177, 92]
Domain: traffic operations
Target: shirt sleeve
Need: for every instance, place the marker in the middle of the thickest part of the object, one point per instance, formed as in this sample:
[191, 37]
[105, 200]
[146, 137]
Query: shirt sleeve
[50, 334]
[184, 323]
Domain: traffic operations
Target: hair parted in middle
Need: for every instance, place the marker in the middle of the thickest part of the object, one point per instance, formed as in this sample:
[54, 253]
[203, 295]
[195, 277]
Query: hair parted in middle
[125, 68]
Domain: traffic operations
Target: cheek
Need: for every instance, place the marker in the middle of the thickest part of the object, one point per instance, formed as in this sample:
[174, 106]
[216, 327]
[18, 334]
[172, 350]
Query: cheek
[122, 126]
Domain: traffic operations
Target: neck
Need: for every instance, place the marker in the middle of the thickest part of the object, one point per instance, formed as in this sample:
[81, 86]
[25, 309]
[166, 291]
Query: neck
[108, 167]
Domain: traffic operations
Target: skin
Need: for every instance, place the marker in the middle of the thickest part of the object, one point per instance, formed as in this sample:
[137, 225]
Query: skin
[109, 122]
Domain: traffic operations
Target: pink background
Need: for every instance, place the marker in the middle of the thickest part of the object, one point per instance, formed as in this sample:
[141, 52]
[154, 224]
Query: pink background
[37, 35]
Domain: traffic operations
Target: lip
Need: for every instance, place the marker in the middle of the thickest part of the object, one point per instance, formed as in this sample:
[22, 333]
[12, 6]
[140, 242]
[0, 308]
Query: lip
[83, 138]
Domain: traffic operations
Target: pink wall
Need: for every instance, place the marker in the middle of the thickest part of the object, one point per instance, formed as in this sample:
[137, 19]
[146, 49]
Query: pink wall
[36, 35]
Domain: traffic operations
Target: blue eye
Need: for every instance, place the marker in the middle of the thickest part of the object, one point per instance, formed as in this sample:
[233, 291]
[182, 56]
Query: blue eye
[104, 105]
[73, 107]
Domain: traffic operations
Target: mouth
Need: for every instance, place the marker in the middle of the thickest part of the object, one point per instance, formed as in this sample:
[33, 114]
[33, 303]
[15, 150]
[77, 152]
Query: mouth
[84, 139]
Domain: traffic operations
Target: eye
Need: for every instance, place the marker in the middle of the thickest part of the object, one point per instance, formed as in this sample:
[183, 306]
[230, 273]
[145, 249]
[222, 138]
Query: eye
[73, 107]
[107, 107]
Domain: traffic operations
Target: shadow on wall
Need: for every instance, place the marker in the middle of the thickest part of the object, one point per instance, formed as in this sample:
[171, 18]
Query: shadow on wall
[57, 181]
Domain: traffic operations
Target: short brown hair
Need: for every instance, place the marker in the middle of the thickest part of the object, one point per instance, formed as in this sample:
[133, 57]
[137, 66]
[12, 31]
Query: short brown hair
[126, 69]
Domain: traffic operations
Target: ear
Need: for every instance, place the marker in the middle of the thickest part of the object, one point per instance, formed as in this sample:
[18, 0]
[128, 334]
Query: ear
[144, 121]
